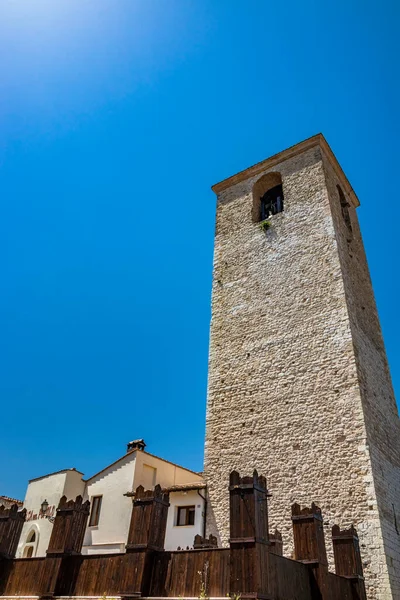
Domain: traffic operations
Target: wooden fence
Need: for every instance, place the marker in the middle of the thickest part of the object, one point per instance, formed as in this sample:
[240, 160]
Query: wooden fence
[11, 523]
[252, 566]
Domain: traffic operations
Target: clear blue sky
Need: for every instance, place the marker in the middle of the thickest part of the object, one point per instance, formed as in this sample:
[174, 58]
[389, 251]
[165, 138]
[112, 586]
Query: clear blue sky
[116, 117]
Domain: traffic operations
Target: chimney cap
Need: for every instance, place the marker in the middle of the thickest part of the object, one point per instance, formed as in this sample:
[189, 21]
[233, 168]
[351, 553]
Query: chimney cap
[136, 445]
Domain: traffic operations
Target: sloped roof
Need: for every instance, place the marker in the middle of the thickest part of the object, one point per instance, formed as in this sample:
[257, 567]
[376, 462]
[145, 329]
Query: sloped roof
[55, 473]
[143, 452]
[187, 487]
[181, 487]
[11, 500]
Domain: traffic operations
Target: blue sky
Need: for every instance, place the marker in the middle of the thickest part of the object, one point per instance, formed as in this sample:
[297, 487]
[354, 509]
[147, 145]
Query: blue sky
[116, 117]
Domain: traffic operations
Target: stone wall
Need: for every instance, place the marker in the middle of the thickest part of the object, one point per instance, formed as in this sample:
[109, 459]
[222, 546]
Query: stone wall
[285, 393]
[379, 404]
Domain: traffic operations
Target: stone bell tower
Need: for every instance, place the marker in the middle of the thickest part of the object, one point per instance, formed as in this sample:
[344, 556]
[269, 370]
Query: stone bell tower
[299, 385]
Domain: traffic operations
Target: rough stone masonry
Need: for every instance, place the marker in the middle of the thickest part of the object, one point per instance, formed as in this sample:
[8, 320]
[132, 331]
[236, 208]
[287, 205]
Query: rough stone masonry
[299, 385]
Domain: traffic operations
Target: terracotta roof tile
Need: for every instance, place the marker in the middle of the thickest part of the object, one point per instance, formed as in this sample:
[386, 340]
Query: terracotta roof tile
[12, 500]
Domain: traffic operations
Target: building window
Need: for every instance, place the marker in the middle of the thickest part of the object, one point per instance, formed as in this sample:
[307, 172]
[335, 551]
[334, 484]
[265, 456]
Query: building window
[267, 197]
[271, 202]
[185, 516]
[31, 537]
[95, 513]
[28, 552]
[31, 544]
[344, 205]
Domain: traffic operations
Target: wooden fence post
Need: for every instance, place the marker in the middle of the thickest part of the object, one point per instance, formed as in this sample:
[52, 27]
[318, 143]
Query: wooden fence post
[145, 538]
[309, 546]
[276, 544]
[201, 543]
[69, 527]
[249, 542]
[11, 523]
[66, 540]
[347, 555]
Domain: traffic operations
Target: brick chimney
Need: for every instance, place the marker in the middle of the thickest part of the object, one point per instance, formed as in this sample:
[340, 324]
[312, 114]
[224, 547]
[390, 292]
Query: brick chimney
[135, 445]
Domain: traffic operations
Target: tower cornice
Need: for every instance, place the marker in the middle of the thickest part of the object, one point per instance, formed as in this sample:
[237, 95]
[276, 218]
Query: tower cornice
[272, 161]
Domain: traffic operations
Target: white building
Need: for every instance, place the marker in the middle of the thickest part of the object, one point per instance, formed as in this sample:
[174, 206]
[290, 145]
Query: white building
[37, 528]
[110, 493]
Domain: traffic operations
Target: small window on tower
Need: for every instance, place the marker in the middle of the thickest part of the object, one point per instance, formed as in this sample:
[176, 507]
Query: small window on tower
[267, 197]
[272, 202]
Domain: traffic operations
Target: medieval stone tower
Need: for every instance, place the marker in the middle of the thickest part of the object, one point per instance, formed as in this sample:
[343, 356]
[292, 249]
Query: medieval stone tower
[299, 385]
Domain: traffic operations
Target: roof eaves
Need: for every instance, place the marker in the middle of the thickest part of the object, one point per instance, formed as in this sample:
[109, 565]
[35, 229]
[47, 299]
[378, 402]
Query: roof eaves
[186, 487]
[54, 473]
[14, 500]
[111, 465]
[199, 474]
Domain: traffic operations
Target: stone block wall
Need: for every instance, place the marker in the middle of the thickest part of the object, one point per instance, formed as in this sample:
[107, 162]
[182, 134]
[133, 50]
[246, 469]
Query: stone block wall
[377, 396]
[285, 392]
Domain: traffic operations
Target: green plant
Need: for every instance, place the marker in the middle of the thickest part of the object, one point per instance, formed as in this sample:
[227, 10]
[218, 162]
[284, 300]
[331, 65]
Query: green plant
[203, 591]
[105, 597]
[265, 225]
[203, 575]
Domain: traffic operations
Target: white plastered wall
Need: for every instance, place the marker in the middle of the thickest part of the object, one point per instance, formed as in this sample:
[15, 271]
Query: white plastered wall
[110, 535]
[167, 475]
[183, 536]
[51, 488]
[138, 468]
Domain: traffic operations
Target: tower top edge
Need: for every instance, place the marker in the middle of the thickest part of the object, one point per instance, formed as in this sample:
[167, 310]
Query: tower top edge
[272, 161]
